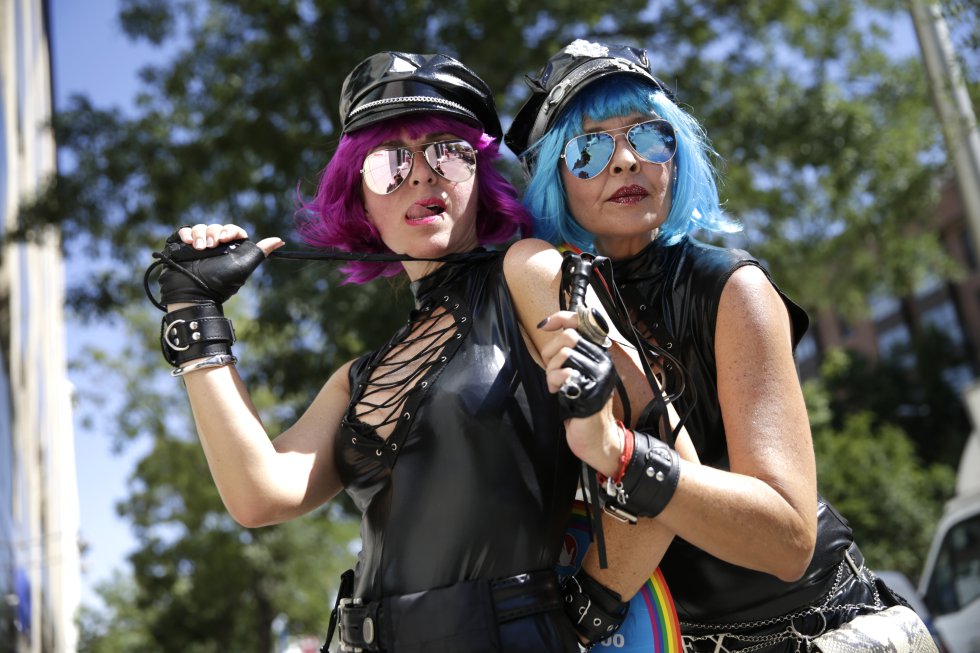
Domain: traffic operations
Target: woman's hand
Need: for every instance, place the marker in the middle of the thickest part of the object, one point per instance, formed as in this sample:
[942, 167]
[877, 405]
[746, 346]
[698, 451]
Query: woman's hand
[205, 236]
[217, 255]
[596, 439]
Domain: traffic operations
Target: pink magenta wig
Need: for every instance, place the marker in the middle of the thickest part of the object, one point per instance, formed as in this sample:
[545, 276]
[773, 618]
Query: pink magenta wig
[334, 218]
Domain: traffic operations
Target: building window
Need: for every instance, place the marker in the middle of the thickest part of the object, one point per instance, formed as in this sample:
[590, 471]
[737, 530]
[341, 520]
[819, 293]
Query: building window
[969, 249]
[944, 319]
[883, 306]
[895, 340]
[958, 377]
[807, 348]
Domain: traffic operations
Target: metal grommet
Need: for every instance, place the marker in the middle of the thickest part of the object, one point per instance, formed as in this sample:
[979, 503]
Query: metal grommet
[597, 622]
[670, 345]
[446, 298]
[378, 452]
[394, 446]
[407, 415]
[643, 307]
[425, 384]
[442, 359]
[455, 306]
[353, 440]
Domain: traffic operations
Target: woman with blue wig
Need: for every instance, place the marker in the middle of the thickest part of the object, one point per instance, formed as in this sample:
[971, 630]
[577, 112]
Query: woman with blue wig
[446, 437]
[760, 562]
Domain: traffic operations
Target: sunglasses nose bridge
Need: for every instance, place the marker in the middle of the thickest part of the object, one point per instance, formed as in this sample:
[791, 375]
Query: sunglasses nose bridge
[623, 152]
[426, 169]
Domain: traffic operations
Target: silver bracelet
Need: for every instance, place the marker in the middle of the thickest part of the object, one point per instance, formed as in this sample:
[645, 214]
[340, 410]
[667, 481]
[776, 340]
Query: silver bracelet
[218, 360]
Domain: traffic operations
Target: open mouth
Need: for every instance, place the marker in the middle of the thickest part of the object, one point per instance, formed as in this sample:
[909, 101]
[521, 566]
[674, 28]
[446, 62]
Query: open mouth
[425, 208]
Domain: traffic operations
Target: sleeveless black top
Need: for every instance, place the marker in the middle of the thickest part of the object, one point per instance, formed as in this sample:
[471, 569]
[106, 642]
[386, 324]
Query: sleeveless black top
[674, 291]
[476, 479]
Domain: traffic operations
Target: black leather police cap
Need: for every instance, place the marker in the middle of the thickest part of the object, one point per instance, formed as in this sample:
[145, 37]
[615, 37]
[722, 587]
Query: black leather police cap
[391, 84]
[569, 71]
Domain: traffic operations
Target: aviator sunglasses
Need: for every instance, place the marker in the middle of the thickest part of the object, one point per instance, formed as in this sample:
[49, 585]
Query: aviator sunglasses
[589, 154]
[384, 171]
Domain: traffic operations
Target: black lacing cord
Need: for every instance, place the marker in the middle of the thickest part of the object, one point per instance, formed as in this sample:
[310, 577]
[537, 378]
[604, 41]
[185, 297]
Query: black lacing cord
[389, 368]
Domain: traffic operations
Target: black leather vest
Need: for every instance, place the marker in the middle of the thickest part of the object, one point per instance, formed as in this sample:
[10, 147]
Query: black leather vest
[476, 480]
[675, 291]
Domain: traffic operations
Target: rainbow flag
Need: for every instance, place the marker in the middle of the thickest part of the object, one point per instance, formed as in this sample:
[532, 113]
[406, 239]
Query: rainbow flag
[651, 625]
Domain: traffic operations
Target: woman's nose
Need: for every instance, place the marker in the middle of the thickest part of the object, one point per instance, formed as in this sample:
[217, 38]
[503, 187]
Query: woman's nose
[421, 171]
[624, 158]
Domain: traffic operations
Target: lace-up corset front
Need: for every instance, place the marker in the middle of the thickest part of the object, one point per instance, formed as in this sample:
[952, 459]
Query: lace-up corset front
[452, 446]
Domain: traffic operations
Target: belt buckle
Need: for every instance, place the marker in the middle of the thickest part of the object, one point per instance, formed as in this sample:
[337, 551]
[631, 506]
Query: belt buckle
[367, 627]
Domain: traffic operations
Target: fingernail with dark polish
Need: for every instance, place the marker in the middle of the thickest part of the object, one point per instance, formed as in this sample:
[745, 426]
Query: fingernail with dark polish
[543, 322]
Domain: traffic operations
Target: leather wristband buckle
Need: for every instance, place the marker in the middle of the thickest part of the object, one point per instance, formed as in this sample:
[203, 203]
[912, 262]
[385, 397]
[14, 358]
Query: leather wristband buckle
[595, 612]
[649, 482]
[195, 331]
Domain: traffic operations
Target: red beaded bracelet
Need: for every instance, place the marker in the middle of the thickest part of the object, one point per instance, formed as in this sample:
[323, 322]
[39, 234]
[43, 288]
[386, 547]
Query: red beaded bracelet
[624, 460]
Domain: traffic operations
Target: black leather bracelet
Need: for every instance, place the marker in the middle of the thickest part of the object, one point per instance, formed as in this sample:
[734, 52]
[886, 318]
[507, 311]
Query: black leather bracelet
[650, 480]
[197, 331]
[595, 610]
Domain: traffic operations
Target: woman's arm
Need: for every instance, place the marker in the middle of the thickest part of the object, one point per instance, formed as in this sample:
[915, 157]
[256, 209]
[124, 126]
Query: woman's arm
[261, 481]
[533, 270]
[761, 514]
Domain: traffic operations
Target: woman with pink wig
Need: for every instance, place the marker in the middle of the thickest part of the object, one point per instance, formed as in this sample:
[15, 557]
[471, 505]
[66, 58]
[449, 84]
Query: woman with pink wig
[447, 437]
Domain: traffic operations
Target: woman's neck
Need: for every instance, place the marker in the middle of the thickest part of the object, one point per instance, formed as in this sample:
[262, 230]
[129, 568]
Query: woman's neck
[623, 247]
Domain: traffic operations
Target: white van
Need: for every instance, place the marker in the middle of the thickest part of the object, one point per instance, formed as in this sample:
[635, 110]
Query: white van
[950, 582]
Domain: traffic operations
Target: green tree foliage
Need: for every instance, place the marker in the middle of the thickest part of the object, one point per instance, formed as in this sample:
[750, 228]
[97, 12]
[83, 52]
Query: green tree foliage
[876, 481]
[879, 454]
[826, 142]
[908, 389]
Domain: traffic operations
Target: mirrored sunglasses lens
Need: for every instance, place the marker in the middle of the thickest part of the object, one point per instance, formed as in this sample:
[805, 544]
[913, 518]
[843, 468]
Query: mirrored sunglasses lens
[386, 170]
[654, 141]
[455, 161]
[587, 155]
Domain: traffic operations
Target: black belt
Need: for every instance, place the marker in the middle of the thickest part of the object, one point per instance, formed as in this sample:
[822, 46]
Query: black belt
[471, 609]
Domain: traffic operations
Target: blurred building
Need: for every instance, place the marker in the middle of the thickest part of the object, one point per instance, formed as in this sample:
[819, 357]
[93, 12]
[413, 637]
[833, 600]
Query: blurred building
[951, 306]
[39, 511]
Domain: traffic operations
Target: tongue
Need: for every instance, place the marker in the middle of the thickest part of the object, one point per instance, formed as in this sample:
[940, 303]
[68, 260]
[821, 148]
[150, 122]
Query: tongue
[417, 212]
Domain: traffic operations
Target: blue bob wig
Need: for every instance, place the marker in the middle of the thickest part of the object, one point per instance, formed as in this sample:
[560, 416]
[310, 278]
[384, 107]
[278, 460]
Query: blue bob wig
[694, 202]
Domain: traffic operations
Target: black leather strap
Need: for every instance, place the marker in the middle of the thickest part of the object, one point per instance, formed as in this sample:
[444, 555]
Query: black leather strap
[649, 482]
[195, 332]
[595, 610]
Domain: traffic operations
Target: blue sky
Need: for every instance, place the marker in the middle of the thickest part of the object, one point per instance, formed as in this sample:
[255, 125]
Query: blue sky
[91, 55]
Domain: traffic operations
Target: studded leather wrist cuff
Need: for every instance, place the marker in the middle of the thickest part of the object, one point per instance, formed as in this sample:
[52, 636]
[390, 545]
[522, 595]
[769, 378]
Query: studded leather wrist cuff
[197, 331]
[649, 482]
[596, 611]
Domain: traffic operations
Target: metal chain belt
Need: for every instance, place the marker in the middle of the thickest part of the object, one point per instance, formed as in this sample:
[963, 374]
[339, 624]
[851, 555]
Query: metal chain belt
[761, 642]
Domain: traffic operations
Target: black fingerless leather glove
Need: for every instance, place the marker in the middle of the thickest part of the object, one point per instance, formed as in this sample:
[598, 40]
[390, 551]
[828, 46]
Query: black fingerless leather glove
[201, 276]
[592, 384]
